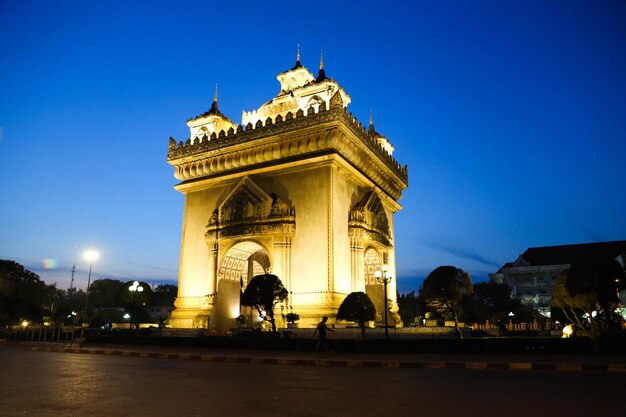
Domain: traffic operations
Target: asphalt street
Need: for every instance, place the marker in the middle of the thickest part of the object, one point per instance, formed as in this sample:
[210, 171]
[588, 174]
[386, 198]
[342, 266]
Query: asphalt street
[68, 384]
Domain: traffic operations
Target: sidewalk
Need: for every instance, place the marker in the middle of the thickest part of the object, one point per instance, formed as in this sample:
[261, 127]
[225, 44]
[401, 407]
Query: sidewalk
[511, 362]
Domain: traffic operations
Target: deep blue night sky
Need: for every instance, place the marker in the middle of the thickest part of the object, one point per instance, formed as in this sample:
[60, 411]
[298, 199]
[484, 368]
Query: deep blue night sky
[510, 115]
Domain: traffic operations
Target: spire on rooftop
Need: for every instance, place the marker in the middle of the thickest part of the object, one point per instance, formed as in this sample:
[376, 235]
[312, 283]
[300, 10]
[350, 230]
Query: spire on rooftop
[321, 75]
[298, 64]
[371, 129]
[214, 109]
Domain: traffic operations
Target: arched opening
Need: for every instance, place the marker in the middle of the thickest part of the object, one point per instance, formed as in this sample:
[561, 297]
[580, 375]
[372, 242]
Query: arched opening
[373, 263]
[239, 264]
[243, 261]
[373, 288]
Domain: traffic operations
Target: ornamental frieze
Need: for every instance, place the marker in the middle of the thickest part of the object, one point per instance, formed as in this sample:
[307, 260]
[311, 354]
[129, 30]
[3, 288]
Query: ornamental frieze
[214, 157]
[321, 140]
[250, 211]
[252, 229]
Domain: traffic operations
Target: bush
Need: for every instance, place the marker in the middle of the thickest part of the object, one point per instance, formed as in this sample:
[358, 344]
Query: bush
[292, 317]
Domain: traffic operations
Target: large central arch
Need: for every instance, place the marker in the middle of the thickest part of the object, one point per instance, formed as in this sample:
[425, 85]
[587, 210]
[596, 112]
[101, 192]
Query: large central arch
[240, 263]
[243, 261]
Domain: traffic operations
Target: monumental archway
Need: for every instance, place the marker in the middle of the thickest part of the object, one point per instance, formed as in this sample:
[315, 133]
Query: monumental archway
[243, 183]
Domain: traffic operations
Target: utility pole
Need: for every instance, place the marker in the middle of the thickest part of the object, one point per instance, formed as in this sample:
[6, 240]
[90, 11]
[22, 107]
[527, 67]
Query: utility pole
[72, 281]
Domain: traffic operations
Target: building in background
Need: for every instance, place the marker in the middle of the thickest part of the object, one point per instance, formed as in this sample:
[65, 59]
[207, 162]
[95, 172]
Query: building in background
[532, 275]
[300, 189]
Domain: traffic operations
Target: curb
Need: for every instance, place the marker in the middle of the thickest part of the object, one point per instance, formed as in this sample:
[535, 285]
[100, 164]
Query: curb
[474, 366]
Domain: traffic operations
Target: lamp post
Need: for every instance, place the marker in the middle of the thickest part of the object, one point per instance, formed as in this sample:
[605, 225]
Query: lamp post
[90, 256]
[384, 279]
[135, 289]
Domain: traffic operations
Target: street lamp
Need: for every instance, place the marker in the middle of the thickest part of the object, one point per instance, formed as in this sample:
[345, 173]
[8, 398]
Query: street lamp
[384, 279]
[90, 256]
[135, 289]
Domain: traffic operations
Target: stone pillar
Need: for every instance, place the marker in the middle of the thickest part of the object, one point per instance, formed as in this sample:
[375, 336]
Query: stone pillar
[281, 262]
[357, 266]
[211, 287]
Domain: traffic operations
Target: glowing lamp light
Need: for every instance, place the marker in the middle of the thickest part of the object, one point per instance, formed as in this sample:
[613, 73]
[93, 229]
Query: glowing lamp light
[567, 331]
[135, 287]
[126, 316]
[91, 255]
[378, 274]
[24, 323]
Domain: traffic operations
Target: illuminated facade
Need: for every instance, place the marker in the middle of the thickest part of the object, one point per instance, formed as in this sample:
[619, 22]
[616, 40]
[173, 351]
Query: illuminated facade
[300, 189]
[531, 276]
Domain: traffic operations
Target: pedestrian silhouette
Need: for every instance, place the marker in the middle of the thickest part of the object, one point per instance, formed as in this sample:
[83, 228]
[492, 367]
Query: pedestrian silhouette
[321, 330]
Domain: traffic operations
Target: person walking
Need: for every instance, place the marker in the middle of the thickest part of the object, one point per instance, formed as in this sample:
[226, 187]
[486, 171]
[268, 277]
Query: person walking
[321, 330]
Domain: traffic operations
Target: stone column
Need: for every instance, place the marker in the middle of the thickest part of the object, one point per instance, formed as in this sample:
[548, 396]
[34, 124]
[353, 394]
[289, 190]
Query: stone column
[281, 262]
[357, 265]
[211, 287]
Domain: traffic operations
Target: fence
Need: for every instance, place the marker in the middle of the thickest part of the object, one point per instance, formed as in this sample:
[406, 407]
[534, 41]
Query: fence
[68, 335]
[510, 326]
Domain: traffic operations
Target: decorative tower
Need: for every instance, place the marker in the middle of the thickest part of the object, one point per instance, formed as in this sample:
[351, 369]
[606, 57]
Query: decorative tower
[299, 189]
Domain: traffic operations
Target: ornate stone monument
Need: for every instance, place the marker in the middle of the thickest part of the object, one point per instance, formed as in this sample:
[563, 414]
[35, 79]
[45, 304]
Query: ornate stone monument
[300, 189]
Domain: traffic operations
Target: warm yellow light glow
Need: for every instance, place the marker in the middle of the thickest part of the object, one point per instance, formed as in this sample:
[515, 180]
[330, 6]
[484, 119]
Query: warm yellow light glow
[385, 268]
[567, 331]
[24, 323]
[91, 255]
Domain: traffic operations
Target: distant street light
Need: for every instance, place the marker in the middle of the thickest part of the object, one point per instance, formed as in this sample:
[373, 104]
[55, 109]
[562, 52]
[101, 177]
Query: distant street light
[382, 278]
[135, 290]
[90, 256]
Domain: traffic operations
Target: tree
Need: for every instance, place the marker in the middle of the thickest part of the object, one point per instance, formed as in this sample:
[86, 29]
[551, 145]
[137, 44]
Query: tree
[443, 290]
[408, 307]
[489, 301]
[263, 293]
[165, 294]
[136, 297]
[572, 306]
[103, 292]
[357, 307]
[601, 277]
[22, 294]
[72, 300]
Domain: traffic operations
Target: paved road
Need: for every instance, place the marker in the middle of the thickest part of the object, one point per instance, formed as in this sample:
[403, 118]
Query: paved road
[64, 384]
